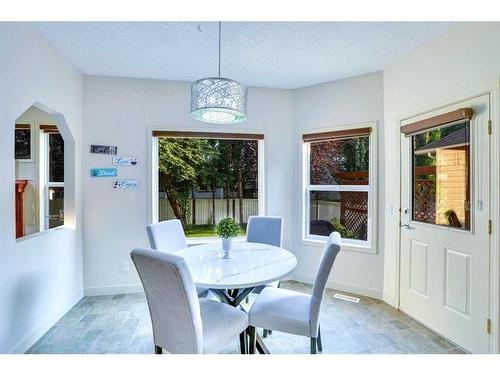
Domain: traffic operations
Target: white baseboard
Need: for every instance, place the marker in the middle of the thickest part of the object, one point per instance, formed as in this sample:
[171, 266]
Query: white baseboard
[355, 289]
[40, 330]
[391, 300]
[137, 288]
[113, 289]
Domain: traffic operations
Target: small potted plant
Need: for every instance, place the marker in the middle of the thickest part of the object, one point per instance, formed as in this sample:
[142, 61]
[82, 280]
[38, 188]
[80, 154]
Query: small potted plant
[226, 230]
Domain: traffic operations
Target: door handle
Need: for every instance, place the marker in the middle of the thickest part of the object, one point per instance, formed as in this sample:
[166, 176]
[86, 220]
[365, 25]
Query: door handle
[407, 226]
[406, 211]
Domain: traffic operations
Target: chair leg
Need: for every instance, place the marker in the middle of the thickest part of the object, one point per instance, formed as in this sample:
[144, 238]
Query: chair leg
[313, 345]
[158, 349]
[243, 342]
[270, 332]
[320, 345]
[251, 340]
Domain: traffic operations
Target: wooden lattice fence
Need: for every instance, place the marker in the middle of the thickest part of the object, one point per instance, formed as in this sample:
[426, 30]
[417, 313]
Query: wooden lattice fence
[354, 204]
[424, 201]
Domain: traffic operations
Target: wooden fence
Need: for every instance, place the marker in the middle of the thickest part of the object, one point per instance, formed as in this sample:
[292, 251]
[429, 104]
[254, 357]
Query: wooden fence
[202, 213]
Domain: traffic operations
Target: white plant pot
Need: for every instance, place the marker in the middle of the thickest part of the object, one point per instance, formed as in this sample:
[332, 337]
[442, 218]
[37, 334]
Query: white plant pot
[227, 243]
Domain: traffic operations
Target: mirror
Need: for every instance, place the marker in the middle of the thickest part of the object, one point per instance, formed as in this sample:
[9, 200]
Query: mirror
[39, 173]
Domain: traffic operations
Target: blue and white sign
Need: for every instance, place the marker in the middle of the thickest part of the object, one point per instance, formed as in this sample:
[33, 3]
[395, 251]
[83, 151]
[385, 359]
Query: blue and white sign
[124, 160]
[125, 184]
[103, 172]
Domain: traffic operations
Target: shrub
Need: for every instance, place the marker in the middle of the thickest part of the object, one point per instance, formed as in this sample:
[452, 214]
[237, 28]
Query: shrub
[228, 228]
[337, 227]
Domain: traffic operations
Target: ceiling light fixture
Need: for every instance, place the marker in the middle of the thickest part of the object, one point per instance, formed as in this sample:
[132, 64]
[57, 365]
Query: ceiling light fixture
[218, 100]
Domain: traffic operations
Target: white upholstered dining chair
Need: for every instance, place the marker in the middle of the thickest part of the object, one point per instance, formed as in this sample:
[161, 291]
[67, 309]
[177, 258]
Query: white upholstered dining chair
[267, 230]
[294, 312]
[182, 322]
[169, 236]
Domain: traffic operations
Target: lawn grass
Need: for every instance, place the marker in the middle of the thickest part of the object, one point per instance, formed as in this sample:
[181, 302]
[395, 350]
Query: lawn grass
[209, 231]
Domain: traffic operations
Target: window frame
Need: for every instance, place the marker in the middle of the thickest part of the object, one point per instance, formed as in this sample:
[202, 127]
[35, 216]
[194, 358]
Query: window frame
[368, 246]
[215, 134]
[44, 219]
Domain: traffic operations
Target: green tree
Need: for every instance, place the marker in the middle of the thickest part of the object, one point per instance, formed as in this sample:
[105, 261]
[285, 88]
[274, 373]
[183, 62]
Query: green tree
[245, 157]
[179, 161]
[209, 174]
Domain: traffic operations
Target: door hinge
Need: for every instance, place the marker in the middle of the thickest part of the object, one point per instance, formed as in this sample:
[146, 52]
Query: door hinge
[489, 226]
[489, 127]
[488, 326]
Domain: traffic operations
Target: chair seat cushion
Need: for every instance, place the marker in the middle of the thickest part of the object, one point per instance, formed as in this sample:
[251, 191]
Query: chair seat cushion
[221, 324]
[282, 310]
[260, 288]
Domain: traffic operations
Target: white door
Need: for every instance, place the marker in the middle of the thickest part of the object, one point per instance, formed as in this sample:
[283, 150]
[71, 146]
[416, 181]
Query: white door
[445, 241]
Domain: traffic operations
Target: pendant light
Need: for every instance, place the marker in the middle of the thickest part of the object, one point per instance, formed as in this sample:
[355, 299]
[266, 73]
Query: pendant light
[218, 100]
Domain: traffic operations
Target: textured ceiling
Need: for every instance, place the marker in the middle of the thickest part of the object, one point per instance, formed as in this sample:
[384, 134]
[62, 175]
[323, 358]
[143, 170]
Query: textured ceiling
[268, 54]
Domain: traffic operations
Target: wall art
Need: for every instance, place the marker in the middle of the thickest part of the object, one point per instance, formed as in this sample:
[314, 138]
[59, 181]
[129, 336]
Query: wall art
[103, 172]
[100, 149]
[124, 160]
[125, 184]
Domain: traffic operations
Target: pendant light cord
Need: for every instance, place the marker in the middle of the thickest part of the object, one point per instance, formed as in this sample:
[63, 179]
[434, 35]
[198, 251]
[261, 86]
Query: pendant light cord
[220, 24]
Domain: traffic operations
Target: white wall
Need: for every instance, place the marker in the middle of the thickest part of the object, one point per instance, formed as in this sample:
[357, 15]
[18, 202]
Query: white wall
[439, 71]
[119, 112]
[336, 104]
[40, 276]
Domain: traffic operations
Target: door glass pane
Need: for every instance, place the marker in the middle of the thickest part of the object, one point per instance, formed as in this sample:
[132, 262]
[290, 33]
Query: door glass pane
[340, 161]
[56, 206]
[345, 212]
[441, 176]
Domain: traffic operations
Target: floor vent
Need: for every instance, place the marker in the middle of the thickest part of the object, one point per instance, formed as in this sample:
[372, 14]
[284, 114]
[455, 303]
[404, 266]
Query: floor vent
[346, 298]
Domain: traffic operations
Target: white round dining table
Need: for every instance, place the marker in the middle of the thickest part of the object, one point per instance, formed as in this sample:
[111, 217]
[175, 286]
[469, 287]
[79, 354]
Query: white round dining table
[251, 265]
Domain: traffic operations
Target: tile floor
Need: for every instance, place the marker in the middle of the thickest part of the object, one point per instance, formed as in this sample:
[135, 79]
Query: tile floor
[120, 324]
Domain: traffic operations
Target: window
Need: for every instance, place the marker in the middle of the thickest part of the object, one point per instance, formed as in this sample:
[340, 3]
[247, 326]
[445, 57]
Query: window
[53, 193]
[441, 176]
[201, 178]
[338, 185]
[23, 142]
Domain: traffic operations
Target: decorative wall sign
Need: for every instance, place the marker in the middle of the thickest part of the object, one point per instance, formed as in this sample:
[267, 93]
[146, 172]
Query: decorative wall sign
[125, 184]
[103, 172]
[99, 149]
[124, 160]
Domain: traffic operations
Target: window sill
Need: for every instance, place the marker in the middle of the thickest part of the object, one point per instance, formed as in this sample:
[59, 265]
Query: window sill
[43, 232]
[193, 241]
[345, 246]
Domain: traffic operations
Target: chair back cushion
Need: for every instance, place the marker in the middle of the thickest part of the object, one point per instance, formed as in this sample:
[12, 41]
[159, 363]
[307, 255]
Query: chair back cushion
[172, 299]
[265, 229]
[167, 236]
[330, 252]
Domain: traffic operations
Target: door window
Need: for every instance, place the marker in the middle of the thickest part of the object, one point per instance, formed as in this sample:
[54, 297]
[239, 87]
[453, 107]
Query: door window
[441, 176]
